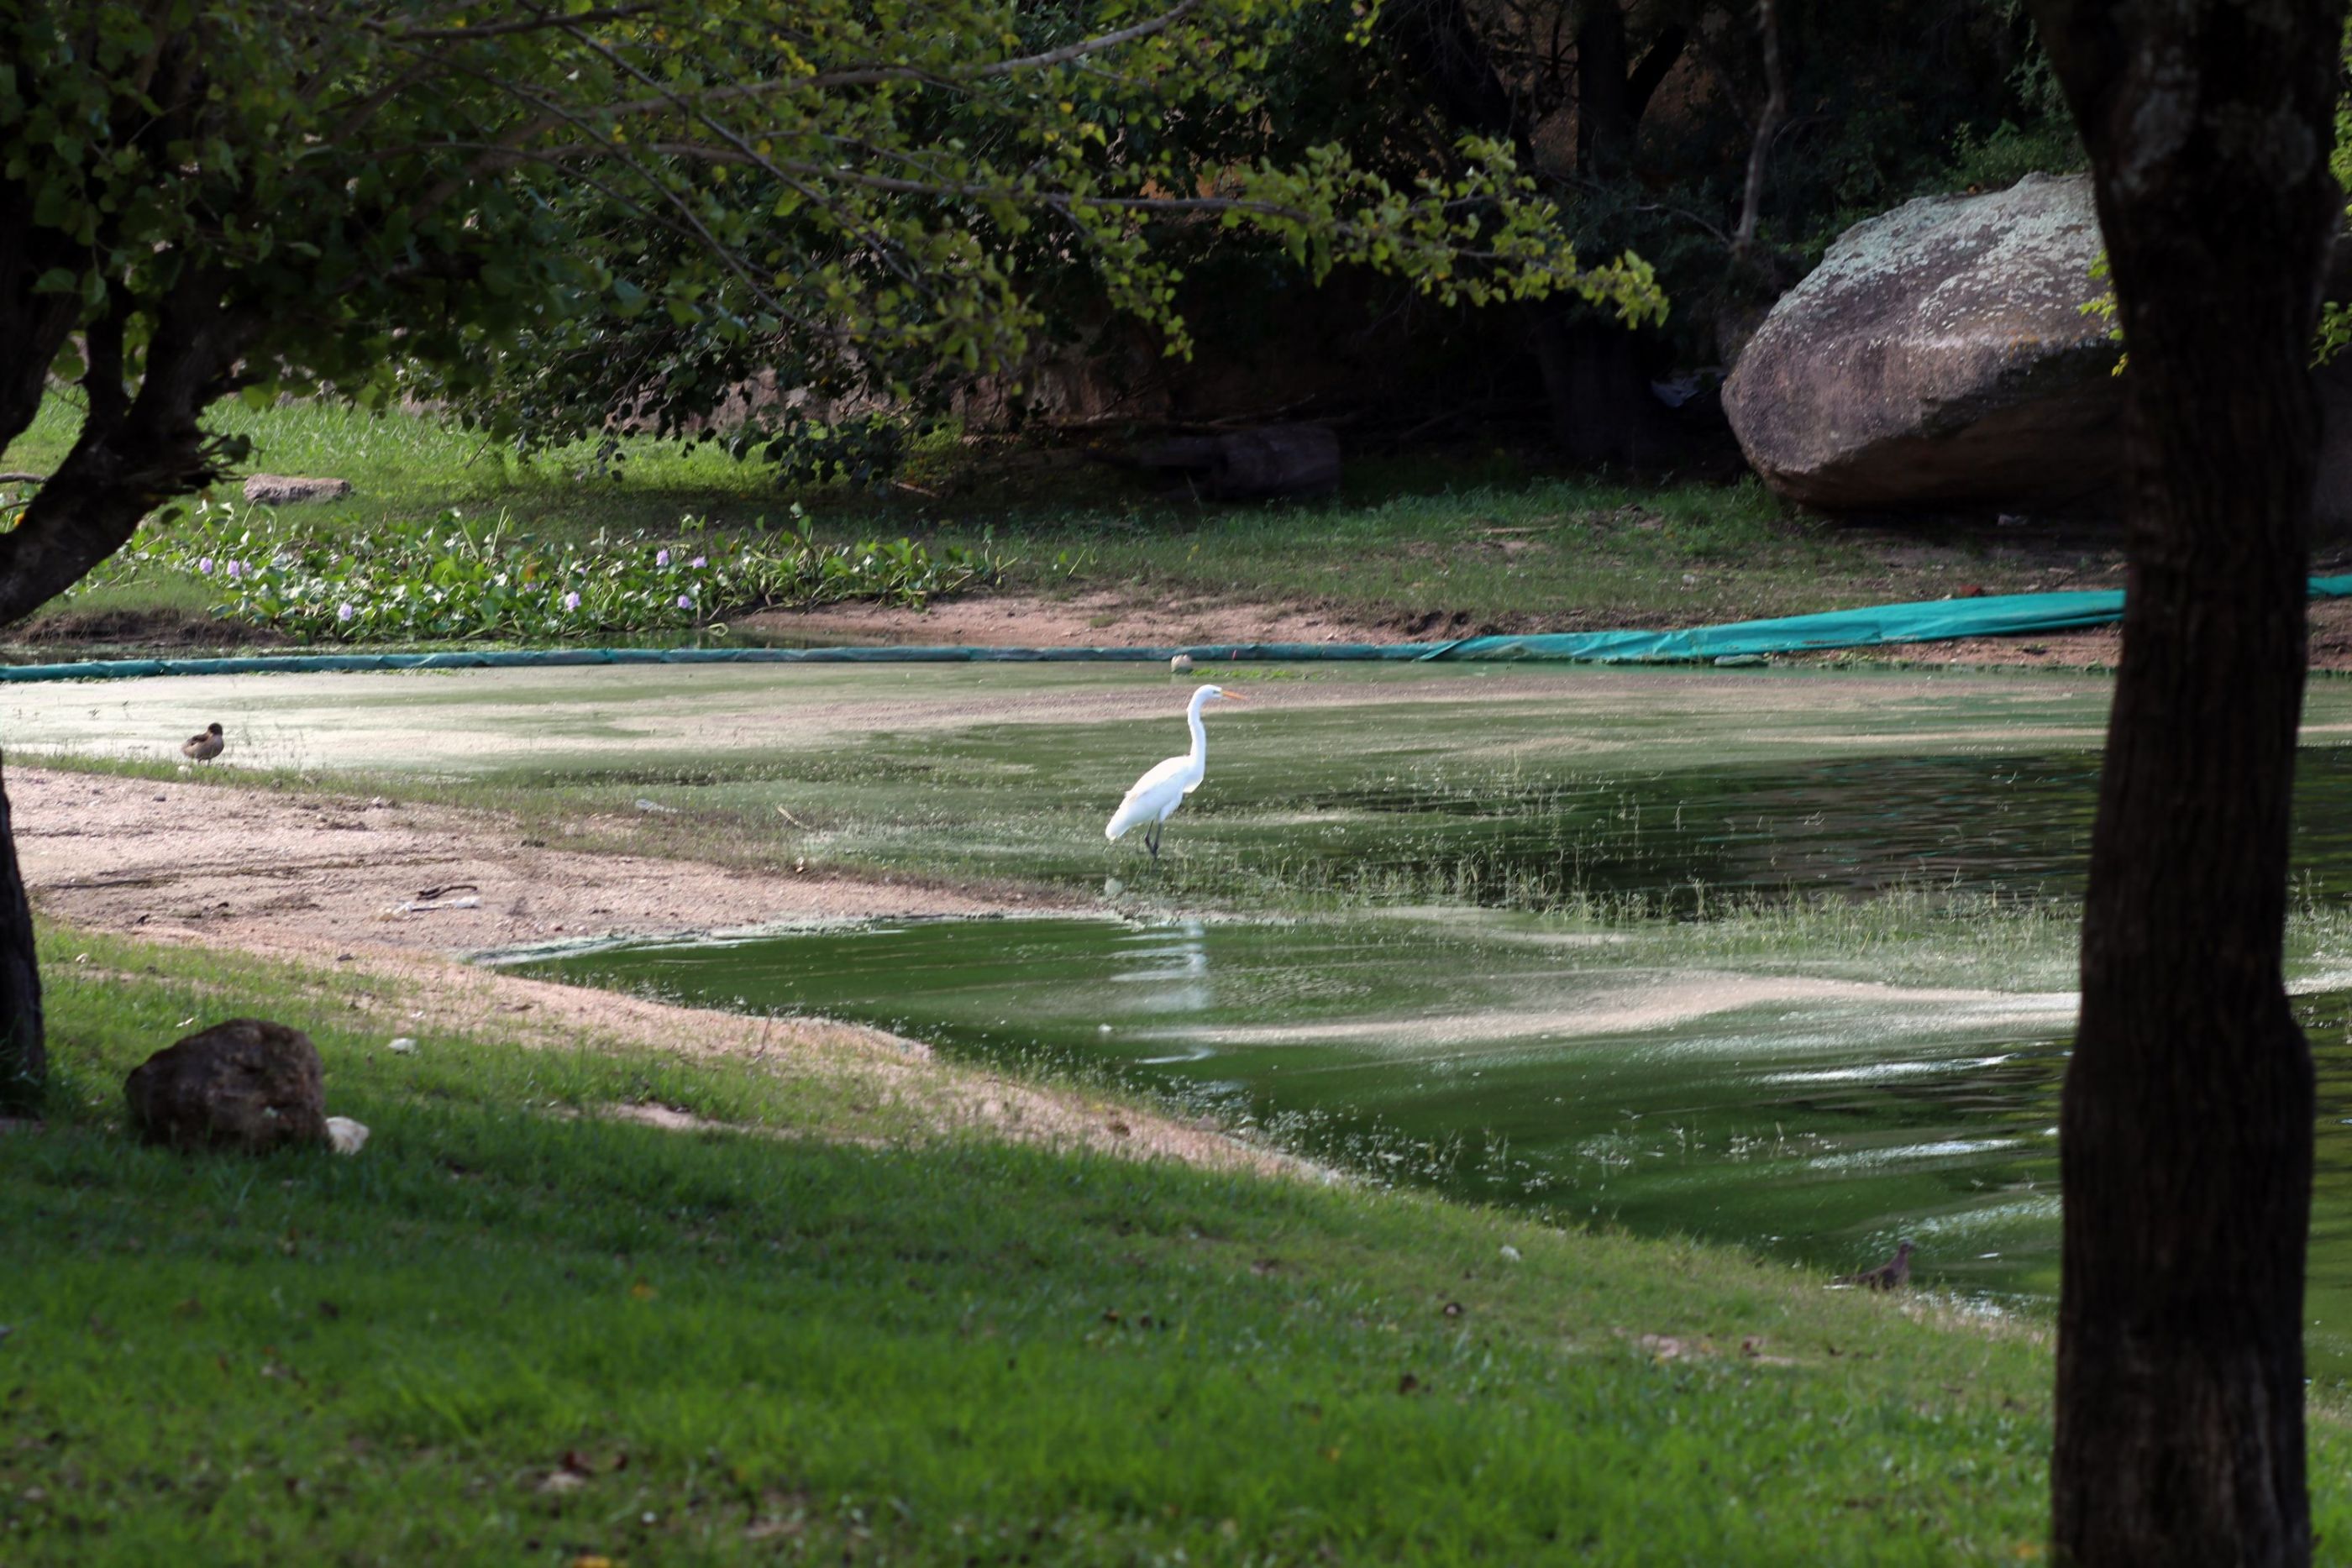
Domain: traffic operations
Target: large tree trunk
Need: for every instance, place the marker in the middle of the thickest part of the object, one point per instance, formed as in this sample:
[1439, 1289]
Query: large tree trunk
[134, 453]
[1599, 403]
[2186, 1132]
[34, 325]
[1439, 40]
[1602, 410]
[24, 1051]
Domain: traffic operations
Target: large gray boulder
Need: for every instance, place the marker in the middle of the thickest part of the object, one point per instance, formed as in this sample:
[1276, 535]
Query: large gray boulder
[1253, 465]
[1939, 356]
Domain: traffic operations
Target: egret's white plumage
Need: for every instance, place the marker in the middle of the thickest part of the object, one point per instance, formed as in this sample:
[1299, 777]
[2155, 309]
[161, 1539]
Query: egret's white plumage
[1155, 797]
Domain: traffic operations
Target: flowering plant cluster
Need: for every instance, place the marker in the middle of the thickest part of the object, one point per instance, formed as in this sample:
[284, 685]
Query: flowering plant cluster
[453, 577]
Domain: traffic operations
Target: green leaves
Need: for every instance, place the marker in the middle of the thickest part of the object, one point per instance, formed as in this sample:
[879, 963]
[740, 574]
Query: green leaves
[551, 213]
[453, 577]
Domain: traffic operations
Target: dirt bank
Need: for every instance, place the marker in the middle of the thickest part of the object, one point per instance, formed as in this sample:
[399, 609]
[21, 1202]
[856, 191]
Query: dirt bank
[1091, 620]
[106, 633]
[1103, 619]
[321, 879]
[2102, 648]
[283, 871]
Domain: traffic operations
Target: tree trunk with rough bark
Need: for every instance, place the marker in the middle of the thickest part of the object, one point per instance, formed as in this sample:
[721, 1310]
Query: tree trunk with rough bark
[24, 1050]
[1602, 410]
[135, 451]
[1599, 403]
[2186, 1129]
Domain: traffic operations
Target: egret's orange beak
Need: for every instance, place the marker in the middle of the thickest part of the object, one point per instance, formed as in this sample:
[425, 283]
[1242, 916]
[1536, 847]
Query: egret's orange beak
[1232, 696]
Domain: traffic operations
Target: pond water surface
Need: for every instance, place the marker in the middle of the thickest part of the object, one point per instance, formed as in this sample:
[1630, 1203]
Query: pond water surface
[1798, 1101]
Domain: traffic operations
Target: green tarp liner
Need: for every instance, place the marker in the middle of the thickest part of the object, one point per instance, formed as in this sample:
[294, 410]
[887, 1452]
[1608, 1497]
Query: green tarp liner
[1938, 619]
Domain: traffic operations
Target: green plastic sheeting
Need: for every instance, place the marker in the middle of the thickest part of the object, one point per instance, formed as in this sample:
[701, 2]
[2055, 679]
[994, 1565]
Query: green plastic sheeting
[1931, 621]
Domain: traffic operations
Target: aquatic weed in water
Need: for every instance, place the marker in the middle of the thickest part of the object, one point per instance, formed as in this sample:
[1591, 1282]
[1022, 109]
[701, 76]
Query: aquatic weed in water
[454, 578]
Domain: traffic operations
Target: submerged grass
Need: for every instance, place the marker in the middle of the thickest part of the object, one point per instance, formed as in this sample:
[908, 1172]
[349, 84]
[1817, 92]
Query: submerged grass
[506, 1334]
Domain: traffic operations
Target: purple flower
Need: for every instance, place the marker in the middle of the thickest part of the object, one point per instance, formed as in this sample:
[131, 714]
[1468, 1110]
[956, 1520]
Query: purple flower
[205, 566]
[699, 562]
[686, 601]
[235, 570]
[661, 558]
[572, 602]
[344, 611]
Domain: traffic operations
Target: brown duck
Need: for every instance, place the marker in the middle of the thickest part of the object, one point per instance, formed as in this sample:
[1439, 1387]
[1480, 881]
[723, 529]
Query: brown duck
[1895, 1271]
[203, 748]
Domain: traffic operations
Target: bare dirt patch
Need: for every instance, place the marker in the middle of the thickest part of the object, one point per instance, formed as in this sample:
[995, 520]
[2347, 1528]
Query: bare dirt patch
[319, 879]
[1091, 620]
[88, 633]
[281, 870]
[1103, 620]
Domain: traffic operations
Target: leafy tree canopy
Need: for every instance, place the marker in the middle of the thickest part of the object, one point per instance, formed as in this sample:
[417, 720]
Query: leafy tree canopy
[1634, 120]
[277, 195]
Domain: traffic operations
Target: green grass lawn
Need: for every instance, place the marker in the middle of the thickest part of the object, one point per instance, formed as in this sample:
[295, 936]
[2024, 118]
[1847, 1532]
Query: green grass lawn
[514, 1331]
[1469, 541]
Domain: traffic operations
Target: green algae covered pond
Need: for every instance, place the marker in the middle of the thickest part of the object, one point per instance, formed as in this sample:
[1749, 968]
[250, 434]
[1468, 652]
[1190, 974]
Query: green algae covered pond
[1781, 958]
[1588, 1080]
[1805, 1004]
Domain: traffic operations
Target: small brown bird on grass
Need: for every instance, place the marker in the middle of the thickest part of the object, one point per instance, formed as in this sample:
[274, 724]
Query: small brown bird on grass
[203, 748]
[1895, 1271]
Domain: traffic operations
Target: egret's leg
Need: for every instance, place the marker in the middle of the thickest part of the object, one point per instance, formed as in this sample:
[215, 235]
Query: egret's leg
[1151, 841]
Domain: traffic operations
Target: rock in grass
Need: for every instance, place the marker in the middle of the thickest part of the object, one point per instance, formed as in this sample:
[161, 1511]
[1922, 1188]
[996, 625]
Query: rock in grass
[288, 490]
[1255, 464]
[346, 1136]
[247, 1084]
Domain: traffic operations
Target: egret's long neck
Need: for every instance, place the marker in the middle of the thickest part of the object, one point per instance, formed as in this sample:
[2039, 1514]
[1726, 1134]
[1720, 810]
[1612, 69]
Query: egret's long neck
[1200, 733]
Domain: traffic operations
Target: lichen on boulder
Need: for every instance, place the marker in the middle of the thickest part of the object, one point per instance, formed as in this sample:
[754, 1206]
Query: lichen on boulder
[1940, 356]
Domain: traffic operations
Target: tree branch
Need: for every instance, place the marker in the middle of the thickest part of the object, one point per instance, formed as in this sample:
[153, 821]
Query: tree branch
[869, 76]
[1656, 64]
[101, 383]
[1768, 127]
[539, 21]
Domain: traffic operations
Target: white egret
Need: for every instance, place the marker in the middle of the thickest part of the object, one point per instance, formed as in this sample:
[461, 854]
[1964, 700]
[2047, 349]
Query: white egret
[1156, 795]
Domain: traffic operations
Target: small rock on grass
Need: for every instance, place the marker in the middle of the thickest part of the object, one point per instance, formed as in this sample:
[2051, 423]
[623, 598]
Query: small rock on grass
[346, 1136]
[292, 490]
[247, 1085]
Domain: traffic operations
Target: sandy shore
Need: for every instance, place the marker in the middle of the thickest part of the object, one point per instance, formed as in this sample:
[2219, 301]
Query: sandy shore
[323, 879]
